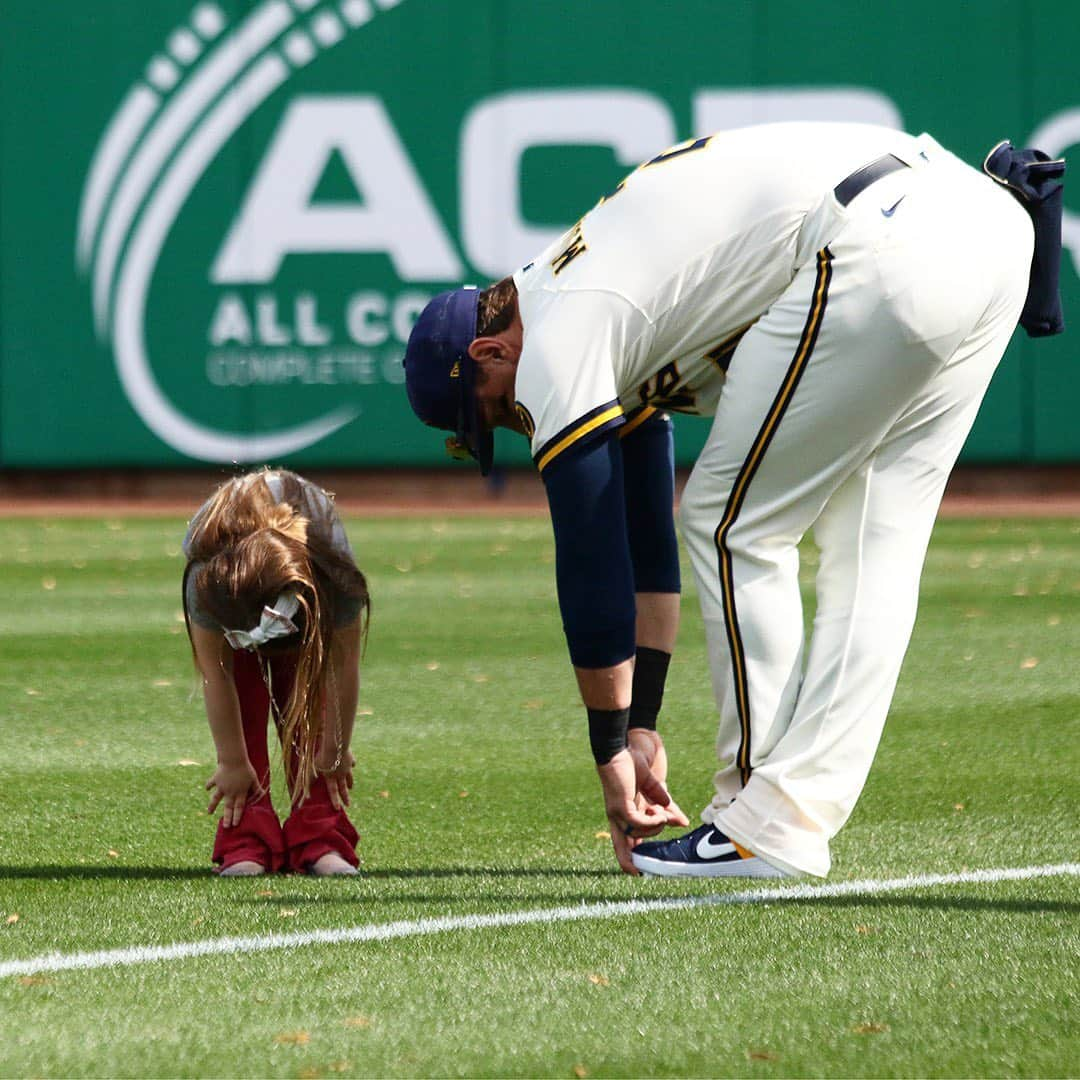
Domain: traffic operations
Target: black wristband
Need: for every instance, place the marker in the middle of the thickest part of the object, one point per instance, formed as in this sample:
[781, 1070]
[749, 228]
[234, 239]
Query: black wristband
[607, 732]
[650, 674]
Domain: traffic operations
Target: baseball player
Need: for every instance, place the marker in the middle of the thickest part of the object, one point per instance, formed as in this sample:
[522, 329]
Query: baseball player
[837, 297]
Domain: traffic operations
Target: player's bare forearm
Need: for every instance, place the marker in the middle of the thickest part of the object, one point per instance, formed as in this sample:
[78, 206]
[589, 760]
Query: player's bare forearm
[606, 687]
[657, 623]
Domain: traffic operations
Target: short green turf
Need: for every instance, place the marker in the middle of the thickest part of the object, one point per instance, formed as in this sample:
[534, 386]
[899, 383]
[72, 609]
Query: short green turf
[475, 794]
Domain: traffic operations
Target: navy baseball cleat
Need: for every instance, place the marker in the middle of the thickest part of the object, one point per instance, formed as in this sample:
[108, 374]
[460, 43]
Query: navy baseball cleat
[705, 852]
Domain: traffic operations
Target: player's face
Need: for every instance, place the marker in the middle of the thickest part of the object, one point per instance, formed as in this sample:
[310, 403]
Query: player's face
[495, 394]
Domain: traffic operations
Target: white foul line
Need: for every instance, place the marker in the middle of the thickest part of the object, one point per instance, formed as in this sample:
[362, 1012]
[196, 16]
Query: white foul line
[144, 954]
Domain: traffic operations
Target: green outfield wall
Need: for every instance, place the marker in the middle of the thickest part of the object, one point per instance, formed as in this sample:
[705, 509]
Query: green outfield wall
[219, 219]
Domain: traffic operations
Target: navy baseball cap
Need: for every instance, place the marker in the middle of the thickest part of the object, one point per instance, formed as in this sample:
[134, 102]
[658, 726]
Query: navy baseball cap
[440, 375]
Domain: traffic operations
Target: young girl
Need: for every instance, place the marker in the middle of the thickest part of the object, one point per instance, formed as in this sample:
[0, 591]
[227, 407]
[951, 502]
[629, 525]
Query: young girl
[276, 609]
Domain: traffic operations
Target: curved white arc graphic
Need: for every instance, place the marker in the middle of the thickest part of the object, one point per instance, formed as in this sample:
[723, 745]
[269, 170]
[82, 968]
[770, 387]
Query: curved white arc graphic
[120, 136]
[168, 423]
[234, 53]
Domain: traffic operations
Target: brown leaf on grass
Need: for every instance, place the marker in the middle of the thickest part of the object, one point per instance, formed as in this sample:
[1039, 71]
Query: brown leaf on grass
[762, 1055]
[864, 929]
[383, 794]
[12, 919]
[265, 892]
[48, 583]
[601, 835]
[599, 980]
[1029, 662]
[34, 980]
[432, 665]
[162, 682]
[462, 794]
[187, 761]
[287, 912]
[481, 678]
[357, 1021]
[365, 712]
[31, 692]
[292, 1038]
[580, 1072]
[870, 1028]
[113, 853]
[958, 806]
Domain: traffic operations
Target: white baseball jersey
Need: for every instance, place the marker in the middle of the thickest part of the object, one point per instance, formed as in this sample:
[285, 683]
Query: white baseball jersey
[643, 301]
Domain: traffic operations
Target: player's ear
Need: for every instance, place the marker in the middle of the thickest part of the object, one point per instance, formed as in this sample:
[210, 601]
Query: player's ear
[486, 349]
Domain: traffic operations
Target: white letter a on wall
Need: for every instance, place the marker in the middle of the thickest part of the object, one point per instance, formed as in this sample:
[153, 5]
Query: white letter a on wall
[278, 217]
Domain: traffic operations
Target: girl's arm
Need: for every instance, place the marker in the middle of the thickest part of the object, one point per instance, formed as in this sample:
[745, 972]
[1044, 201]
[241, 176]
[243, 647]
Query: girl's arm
[234, 780]
[334, 760]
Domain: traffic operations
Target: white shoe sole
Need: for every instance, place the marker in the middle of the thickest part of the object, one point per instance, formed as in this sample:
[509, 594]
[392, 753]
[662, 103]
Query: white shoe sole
[749, 868]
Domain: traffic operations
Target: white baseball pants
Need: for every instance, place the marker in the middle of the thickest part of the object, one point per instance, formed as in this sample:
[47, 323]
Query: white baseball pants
[844, 409]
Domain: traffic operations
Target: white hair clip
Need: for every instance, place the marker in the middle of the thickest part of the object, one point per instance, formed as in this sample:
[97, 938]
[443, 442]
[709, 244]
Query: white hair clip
[275, 622]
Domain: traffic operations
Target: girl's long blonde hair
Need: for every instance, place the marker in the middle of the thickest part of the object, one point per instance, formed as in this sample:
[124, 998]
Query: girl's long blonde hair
[245, 549]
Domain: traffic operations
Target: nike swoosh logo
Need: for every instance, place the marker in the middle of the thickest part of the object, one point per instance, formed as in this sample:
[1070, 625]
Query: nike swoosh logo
[892, 209]
[707, 848]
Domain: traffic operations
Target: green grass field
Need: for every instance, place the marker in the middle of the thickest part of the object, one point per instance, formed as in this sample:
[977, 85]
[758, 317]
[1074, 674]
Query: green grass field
[476, 795]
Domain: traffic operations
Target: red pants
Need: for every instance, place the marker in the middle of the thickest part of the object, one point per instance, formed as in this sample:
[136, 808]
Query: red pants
[314, 827]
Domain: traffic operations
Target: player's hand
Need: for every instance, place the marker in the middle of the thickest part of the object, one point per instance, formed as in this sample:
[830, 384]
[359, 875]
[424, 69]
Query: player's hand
[232, 786]
[628, 823]
[650, 761]
[339, 778]
[647, 750]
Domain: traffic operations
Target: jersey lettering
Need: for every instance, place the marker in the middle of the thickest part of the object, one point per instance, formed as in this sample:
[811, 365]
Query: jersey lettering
[662, 390]
[687, 147]
[720, 355]
[675, 151]
[572, 250]
[614, 191]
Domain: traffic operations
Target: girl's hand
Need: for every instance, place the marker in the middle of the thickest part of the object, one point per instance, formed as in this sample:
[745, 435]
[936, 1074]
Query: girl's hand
[232, 786]
[338, 779]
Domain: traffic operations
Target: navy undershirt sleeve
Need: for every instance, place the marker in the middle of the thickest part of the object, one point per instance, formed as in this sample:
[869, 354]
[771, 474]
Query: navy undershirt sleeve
[649, 481]
[592, 553]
